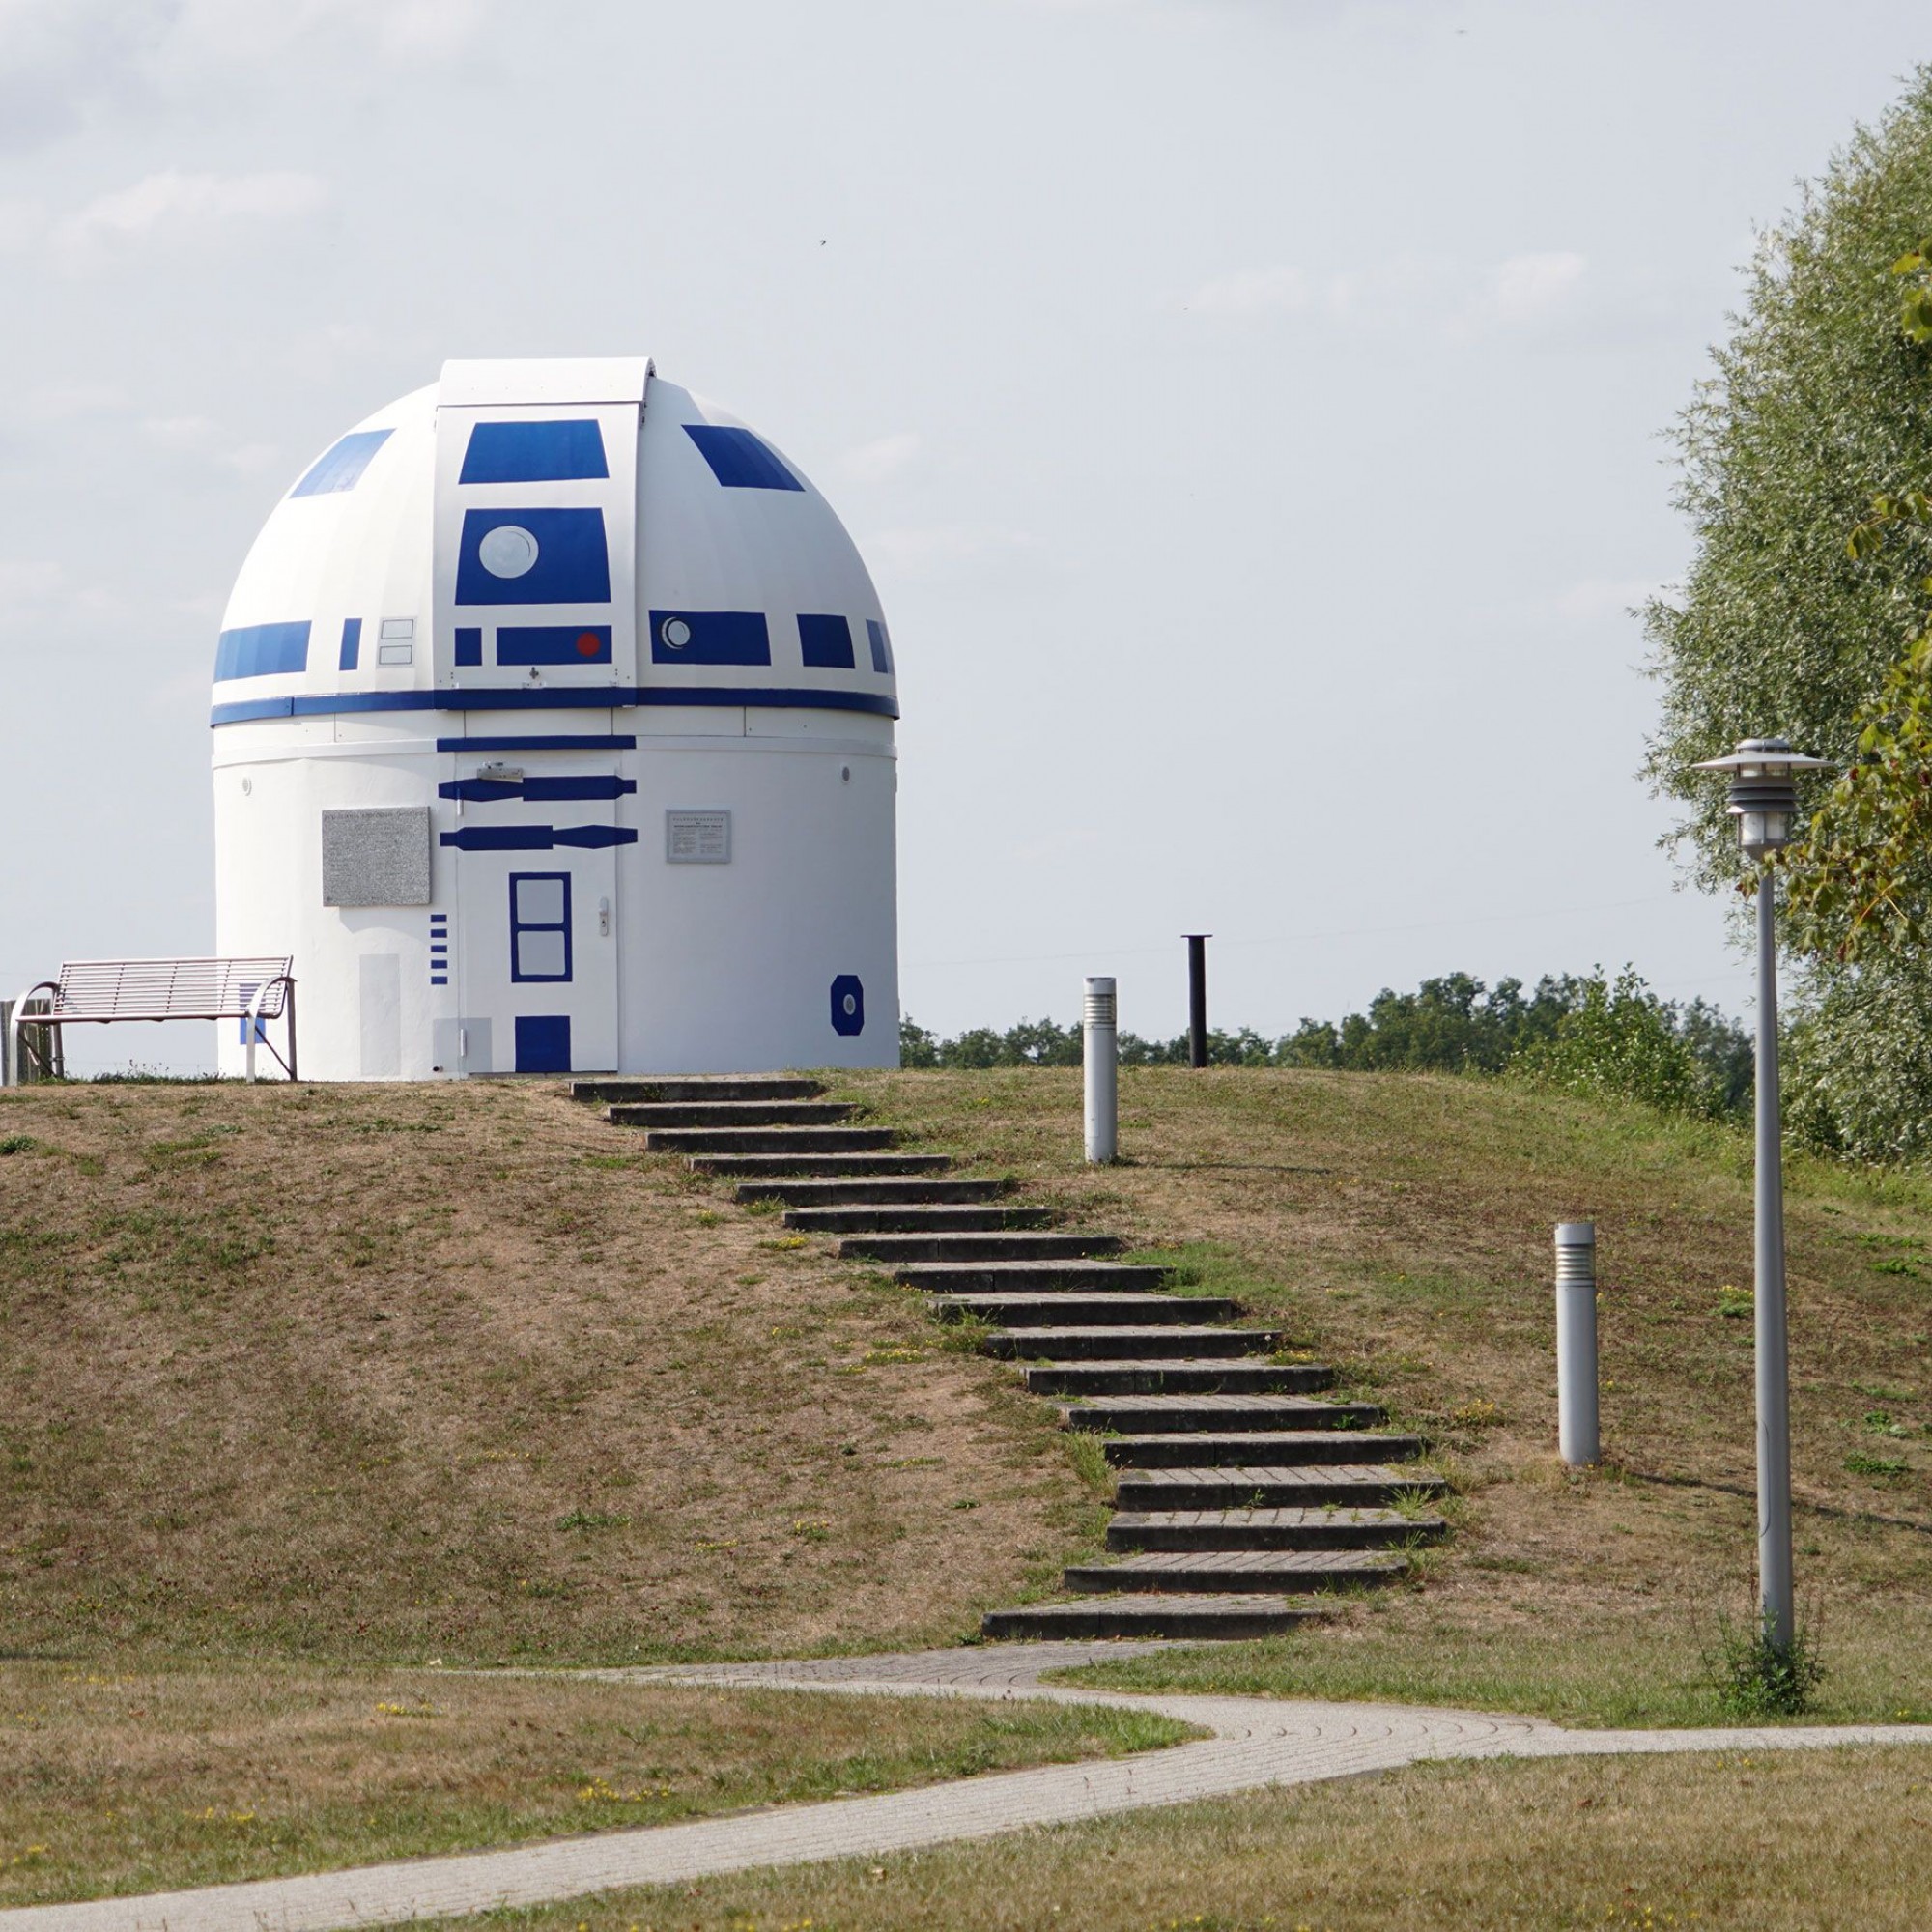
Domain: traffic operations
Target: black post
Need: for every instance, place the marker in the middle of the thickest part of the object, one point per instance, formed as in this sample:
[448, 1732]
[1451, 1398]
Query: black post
[1197, 997]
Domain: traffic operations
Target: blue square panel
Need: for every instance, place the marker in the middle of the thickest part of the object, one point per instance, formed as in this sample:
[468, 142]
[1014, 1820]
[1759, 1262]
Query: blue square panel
[534, 452]
[825, 642]
[543, 1044]
[341, 466]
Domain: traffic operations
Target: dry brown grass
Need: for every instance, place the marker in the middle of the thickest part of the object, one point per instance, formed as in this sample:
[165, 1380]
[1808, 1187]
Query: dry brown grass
[139, 1781]
[1400, 1226]
[388, 1372]
[1773, 1843]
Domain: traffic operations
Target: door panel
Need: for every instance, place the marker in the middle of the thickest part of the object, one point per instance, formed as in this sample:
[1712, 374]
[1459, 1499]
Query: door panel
[536, 929]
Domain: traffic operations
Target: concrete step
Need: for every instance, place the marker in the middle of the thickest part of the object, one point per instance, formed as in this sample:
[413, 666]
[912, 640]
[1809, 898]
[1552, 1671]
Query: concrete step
[1261, 1485]
[1292, 1529]
[769, 1139]
[1202, 1571]
[1174, 1375]
[1032, 1277]
[1003, 1247]
[919, 1218]
[888, 1193]
[1279, 1448]
[1179, 1616]
[730, 1114]
[1177, 1414]
[1054, 1312]
[1126, 1343]
[796, 1164]
[716, 1086]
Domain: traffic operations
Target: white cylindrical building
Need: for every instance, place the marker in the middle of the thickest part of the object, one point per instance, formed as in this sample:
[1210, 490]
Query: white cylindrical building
[554, 734]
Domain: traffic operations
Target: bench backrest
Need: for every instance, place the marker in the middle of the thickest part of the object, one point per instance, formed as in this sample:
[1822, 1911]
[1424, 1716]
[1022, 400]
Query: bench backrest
[186, 989]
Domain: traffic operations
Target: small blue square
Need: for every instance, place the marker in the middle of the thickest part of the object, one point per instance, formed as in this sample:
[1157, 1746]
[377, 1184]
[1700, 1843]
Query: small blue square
[543, 1044]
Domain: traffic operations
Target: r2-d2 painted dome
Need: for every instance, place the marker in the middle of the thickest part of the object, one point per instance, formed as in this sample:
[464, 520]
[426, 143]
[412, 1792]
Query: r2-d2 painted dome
[554, 734]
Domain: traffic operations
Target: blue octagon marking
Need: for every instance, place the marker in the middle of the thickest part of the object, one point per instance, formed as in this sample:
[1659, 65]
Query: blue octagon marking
[849, 1005]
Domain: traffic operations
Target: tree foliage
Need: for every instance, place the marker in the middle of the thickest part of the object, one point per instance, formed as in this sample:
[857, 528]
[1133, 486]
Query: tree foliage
[1584, 1033]
[1806, 460]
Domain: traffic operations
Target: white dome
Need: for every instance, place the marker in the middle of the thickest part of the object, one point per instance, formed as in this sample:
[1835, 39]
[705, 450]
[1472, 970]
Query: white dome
[469, 547]
[554, 734]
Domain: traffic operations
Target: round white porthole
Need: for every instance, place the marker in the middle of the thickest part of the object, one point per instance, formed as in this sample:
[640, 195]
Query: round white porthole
[849, 1005]
[508, 551]
[675, 632]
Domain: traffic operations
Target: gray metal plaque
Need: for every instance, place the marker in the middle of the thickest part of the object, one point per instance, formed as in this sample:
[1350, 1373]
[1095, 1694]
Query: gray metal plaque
[375, 858]
[698, 837]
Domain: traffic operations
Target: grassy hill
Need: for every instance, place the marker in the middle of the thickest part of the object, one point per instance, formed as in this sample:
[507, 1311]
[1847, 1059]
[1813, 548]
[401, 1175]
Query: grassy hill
[398, 1372]
[360, 1372]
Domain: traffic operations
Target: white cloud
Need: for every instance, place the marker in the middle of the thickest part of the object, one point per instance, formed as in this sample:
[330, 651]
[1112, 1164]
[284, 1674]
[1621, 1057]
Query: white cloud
[1529, 289]
[66, 63]
[886, 456]
[170, 207]
[1522, 294]
[1253, 292]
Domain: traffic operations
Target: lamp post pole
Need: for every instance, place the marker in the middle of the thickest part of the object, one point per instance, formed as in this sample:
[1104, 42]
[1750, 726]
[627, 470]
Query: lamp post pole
[1774, 1378]
[1763, 799]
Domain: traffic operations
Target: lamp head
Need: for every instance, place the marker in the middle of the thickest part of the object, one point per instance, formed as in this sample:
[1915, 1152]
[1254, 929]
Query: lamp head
[1764, 790]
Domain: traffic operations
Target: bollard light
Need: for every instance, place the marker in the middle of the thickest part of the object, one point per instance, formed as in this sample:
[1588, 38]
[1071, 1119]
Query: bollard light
[1100, 1059]
[1577, 1436]
[1764, 800]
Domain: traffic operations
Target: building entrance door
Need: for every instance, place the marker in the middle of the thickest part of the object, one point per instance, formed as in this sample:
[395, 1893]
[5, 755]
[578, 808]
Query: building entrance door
[536, 920]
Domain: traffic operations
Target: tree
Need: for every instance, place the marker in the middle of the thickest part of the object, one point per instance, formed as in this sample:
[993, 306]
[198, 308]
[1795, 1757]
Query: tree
[1816, 426]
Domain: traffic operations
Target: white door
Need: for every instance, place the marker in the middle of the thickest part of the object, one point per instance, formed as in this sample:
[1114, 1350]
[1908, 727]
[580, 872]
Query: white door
[536, 920]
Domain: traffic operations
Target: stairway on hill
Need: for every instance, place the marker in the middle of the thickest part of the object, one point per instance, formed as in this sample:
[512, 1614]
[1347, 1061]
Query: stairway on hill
[1242, 1491]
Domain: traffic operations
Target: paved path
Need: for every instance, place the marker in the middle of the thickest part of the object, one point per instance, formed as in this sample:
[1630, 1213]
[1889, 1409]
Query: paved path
[1255, 1742]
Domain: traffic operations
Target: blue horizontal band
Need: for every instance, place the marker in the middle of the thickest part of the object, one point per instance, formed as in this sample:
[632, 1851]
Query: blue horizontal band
[587, 698]
[613, 741]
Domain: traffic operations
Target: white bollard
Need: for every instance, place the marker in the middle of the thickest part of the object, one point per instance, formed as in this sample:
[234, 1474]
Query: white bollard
[1099, 1055]
[1578, 1438]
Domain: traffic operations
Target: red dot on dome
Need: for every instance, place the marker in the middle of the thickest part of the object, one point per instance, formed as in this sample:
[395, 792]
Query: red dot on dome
[589, 645]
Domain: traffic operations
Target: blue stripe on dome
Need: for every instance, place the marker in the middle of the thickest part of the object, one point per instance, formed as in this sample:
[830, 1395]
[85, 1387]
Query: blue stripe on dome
[739, 459]
[261, 650]
[341, 466]
[534, 452]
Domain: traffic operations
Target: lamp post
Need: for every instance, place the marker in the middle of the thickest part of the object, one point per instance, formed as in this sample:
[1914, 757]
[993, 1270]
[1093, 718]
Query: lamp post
[1764, 800]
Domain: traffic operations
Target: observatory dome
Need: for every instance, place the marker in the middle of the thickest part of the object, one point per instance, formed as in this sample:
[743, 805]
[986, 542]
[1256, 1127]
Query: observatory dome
[553, 731]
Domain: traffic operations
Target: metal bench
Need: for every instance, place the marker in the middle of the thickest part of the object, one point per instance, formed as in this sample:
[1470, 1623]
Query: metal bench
[98, 992]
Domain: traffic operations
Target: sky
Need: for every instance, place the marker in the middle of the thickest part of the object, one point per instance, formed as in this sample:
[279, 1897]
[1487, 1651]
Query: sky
[1252, 412]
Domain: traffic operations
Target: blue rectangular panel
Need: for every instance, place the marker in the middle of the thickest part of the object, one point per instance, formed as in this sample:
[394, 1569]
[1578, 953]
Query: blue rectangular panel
[882, 651]
[534, 452]
[543, 1045]
[261, 650]
[826, 642]
[555, 556]
[710, 637]
[352, 644]
[739, 459]
[470, 643]
[553, 643]
[341, 467]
